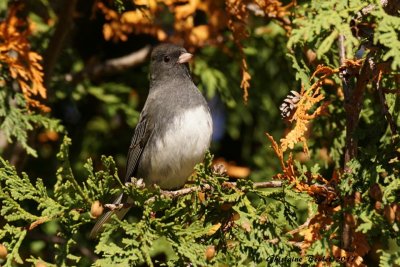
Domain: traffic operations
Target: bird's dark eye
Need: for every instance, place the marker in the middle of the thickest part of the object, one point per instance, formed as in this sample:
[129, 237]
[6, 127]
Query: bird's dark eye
[166, 59]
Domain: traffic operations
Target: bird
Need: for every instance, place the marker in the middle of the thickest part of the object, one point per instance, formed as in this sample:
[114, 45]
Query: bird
[174, 129]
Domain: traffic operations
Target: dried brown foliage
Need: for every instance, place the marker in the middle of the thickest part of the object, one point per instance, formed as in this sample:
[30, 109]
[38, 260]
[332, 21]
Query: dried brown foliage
[119, 26]
[147, 18]
[238, 15]
[303, 115]
[321, 222]
[144, 20]
[23, 64]
[221, 15]
[314, 185]
[321, 189]
[276, 10]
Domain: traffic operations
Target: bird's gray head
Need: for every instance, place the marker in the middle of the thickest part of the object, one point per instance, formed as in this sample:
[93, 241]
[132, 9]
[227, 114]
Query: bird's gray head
[169, 61]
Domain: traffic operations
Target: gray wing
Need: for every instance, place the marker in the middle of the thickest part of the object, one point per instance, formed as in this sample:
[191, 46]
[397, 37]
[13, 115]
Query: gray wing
[139, 140]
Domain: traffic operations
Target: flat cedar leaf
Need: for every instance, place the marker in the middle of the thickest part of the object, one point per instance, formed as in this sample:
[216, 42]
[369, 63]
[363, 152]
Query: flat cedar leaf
[366, 223]
[38, 261]
[214, 229]
[302, 71]
[19, 121]
[327, 43]
[388, 259]
[99, 93]
[212, 79]
[388, 35]
[389, 192]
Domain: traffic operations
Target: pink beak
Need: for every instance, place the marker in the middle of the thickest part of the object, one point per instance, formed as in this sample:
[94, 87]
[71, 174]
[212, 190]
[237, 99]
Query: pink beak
[184, 58]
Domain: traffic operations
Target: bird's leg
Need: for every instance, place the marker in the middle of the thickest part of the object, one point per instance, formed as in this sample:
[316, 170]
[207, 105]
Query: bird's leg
[138, 183]
[118, 206]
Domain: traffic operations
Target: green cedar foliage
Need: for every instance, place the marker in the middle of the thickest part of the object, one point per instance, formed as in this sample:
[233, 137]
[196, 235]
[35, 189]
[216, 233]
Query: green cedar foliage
[377, 161]
[16, 121]
[245, 225]
[67, 204]
[48, 219]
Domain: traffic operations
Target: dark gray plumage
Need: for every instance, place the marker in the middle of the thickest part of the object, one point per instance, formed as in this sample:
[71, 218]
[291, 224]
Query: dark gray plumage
[174, 129]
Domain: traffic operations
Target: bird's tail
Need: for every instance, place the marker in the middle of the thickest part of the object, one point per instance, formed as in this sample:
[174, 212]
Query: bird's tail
[107, 216]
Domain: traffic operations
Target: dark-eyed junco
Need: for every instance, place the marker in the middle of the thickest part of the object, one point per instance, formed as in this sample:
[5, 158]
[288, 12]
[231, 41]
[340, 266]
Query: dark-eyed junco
[174, 129]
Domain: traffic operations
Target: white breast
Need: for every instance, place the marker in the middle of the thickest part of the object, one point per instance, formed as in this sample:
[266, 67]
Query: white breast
[181, 148]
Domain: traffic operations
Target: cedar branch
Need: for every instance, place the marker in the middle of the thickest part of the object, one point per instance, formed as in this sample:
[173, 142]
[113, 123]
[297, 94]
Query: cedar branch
[119, 64]
[188, 190]
[94, 69]
[58, 39]
[206, 187]
[385, 108]
[292, 232]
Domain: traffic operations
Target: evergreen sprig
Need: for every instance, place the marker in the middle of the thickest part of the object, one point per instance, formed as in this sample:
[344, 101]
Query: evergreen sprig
[237, 220]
